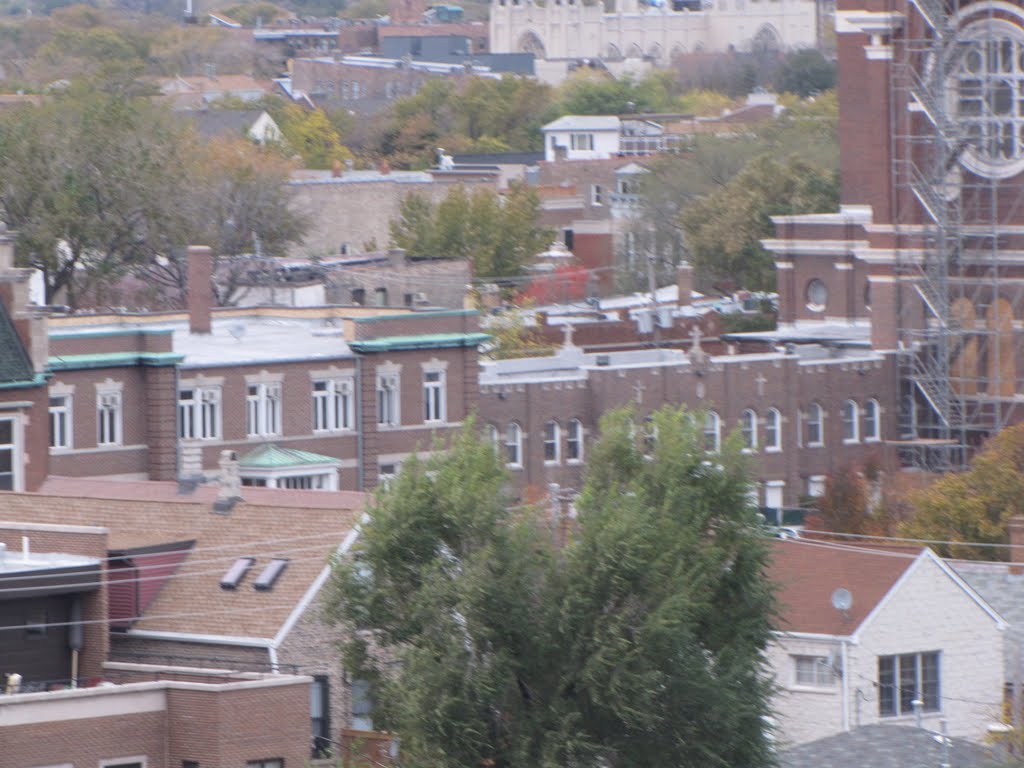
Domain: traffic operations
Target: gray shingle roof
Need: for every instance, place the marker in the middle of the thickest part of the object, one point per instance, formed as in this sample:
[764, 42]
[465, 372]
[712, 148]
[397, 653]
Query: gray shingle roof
[220, 122]
[15, 365]
[886, 746]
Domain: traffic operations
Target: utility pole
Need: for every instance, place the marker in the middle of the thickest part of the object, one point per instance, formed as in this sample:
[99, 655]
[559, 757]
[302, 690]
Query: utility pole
[654, 299]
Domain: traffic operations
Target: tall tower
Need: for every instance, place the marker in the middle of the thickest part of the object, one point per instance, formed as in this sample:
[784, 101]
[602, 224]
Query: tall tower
[957, 139]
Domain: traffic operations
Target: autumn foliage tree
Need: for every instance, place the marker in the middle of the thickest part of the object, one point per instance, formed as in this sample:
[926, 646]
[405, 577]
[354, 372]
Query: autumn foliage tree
[975, 505]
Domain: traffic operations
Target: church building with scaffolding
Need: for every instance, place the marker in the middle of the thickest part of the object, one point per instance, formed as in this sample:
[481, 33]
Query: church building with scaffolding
[928, 245]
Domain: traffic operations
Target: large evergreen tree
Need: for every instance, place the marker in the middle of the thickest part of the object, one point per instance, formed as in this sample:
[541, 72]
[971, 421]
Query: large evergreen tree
[639, 642]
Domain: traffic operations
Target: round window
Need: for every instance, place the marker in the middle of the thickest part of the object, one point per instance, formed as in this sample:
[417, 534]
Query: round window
[817, 295]
[987, 78]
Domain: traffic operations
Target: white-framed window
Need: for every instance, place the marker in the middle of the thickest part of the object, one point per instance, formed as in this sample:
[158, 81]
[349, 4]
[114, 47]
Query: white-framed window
[813, 672]
[748, 428]
[388, 399]
[552, 452]
[712, 432]
[816, 485]
[334, 405]
[774, 490]
[596, 194]
[850, 414]
[263, 408]
[386, 473]
[362, 706]
[514, 445]
[109, 417]
[61, 423]
[494, 436]
[581, 141]
[872, 421]
[10, 454]
[434, 396]
[907, 678]
[815, 426]
[574, 441]
[773, 431]
[199, 413]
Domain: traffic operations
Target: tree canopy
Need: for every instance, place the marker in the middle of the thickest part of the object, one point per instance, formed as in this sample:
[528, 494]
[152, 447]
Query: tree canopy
[724, 229]
[638, 642]
[99, 182]
[975, 505]
[499, 235]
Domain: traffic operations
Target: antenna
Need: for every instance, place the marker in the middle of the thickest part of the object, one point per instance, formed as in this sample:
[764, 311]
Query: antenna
[842, 599]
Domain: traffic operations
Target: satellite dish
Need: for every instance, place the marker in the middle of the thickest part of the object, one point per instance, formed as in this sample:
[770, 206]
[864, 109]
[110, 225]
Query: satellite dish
[842, 600]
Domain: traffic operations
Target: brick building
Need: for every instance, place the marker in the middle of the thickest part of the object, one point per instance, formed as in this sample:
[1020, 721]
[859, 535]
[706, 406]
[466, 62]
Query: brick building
[351, 210]
[215, 576]
[65, 702]
[160, 396]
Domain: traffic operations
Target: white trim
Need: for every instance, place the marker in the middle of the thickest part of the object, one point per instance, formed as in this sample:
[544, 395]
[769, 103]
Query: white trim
[813, 636]
[332, 373]
[1001, 623]
[178, 637]
[201, 380]
[140, 759]
[106, 449]
[316, 586]
[868, 22]
[811, 247]
[928, 555]
[264, 377]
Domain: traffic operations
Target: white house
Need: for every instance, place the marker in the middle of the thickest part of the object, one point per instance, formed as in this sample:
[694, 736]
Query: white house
[865, 633]
[582, 137]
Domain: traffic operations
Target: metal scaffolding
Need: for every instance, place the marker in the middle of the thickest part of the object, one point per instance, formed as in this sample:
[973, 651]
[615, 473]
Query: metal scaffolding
[957, 90]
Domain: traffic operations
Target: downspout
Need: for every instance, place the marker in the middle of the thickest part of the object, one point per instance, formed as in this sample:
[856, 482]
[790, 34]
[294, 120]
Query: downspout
[846, 688]
[272, 653]
[360, 471]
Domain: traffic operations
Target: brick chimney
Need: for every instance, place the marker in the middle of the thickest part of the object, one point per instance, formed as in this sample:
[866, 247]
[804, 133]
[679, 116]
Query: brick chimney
[684, 278]
[200, 291]
[229, 482]
[1016, 527]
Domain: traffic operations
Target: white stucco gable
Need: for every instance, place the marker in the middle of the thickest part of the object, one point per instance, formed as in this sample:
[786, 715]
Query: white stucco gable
[928, 637]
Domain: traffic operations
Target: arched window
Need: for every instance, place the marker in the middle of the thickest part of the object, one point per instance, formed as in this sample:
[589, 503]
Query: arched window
[748, 426]
[574, 441]
[816, 295]
[513, 445]
[815, 426]
[773, 430]
[872, 421]
[551, 443]
[494, 436]
[851, 422]
[712, 432]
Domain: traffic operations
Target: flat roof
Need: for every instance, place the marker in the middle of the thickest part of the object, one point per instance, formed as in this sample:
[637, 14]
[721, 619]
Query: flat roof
[584, 123]
[234, 341]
